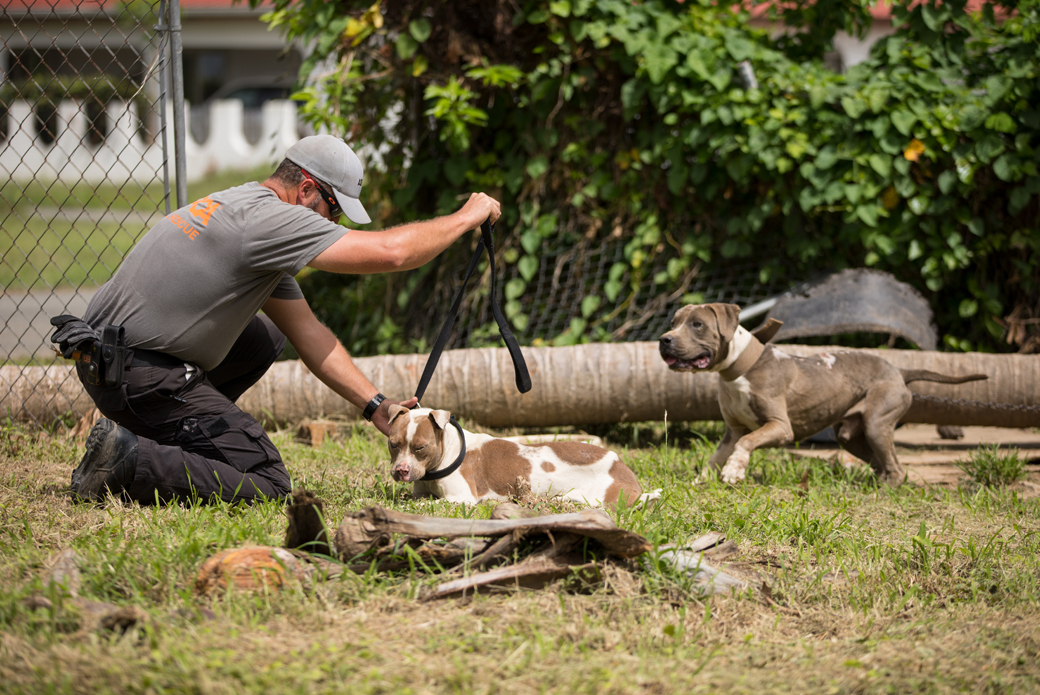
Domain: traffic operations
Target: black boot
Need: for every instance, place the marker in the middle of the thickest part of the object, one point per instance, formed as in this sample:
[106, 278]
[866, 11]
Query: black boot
[109, 463]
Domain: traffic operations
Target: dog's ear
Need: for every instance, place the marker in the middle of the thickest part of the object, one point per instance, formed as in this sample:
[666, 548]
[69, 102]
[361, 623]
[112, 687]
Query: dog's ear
[728, 316]
[440, 418]
[396, 410]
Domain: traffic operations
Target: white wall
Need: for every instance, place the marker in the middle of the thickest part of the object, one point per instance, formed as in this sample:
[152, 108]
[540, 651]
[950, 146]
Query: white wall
[125, 156]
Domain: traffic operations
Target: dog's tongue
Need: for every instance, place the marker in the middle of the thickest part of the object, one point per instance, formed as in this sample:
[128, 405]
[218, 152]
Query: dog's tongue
[670, 361]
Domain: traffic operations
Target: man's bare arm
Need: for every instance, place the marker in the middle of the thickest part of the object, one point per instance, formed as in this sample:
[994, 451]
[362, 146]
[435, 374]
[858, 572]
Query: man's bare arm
[326, 357]
[408, 246]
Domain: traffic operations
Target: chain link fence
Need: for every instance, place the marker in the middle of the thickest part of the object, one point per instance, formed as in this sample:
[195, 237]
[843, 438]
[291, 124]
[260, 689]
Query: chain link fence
[83, 163]
[589, 293]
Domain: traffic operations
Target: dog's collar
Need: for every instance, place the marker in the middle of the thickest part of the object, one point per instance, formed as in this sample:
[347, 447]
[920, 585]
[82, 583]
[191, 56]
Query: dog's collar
[444, 472]
[743, 363]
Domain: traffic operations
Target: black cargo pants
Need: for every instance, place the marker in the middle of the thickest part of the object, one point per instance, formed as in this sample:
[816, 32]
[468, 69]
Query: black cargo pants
[194, 442]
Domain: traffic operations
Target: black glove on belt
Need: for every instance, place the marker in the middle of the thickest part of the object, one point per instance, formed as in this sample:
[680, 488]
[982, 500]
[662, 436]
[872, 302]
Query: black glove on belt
[70, 333]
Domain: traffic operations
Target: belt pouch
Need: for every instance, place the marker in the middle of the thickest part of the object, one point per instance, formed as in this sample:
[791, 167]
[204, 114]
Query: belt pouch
[113, 354]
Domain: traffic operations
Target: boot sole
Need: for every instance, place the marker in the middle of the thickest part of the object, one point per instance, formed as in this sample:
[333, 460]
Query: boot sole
[88, 479]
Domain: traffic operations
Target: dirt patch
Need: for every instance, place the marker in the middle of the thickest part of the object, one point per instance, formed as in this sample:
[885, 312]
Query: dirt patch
[932, 460]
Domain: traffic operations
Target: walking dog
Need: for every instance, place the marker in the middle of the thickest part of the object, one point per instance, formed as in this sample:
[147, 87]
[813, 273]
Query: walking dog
[425, 444]
[769, 398]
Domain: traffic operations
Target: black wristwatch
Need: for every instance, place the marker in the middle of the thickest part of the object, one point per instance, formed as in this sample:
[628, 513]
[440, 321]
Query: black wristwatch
[372, 406]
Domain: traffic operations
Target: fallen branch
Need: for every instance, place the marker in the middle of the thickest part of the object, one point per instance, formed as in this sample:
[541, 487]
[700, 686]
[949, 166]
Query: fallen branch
[375, 525]
[534, 575]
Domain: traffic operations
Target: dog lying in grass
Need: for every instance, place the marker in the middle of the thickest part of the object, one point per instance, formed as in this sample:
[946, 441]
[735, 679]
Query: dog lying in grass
[769, 398]
[429, 449]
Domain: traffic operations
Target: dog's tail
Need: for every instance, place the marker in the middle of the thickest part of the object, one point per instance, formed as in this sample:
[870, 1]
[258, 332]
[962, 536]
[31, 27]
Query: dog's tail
[925, 375]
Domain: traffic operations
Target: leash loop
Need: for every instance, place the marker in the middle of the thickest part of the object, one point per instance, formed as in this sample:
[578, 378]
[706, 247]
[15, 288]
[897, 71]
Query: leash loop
[523, 377]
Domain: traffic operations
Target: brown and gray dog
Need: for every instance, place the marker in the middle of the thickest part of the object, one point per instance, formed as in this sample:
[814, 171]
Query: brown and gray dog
[424, 440]
[769, 398]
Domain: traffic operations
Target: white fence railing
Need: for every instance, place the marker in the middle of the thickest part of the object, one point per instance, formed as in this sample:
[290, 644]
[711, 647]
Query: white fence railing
[128, 152]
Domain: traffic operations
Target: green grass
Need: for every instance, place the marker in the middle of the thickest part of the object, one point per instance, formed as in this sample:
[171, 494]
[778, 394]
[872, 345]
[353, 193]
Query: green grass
[870, 589]
[128, 196]
[991, 467]
[39, 255]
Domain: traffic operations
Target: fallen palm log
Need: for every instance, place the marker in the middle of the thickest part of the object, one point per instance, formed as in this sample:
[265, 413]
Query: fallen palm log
[580, 385]
[601, 383]
[628, 382]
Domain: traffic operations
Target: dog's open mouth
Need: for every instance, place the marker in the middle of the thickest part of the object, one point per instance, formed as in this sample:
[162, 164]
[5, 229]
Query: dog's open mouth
[678, 365]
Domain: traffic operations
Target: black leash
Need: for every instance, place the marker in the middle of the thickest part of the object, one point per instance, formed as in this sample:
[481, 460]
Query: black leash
[523, 377]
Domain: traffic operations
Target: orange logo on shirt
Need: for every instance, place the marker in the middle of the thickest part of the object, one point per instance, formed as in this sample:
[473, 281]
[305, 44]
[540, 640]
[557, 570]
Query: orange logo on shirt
[202, 209]
[183, 225]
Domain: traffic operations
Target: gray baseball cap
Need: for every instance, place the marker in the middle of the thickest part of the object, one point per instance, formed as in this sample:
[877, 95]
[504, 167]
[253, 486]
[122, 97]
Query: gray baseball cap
[330, 159]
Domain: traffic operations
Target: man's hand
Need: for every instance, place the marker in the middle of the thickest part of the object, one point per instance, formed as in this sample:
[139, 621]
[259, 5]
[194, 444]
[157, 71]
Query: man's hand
[381, 418]
[70, 332]
[480, 207]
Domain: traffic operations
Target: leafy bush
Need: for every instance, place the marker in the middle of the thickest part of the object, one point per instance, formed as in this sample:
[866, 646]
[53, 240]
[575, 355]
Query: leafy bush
[621, 120]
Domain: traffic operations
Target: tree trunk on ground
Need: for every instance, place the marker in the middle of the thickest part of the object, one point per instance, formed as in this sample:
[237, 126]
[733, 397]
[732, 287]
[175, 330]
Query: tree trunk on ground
[580, 385]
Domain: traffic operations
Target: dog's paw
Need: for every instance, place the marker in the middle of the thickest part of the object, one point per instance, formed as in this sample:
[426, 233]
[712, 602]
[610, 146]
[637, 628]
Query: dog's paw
[732, 475]
[735, 469]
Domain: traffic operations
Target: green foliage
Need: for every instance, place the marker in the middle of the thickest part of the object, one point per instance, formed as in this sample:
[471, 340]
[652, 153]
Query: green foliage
[990, 467]
[592, 119]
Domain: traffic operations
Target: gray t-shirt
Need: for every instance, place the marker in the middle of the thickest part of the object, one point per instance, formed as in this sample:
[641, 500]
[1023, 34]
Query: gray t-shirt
[195, 280]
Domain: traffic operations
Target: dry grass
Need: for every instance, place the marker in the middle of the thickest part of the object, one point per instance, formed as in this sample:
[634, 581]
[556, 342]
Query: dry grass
[869, 590]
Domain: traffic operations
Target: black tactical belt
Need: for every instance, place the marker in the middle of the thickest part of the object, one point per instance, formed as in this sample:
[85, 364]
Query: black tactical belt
[106, 360]
[151, 358]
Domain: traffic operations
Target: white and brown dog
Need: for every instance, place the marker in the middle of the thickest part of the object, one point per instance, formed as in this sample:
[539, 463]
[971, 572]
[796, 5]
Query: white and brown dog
[769, 398]
[430, 450]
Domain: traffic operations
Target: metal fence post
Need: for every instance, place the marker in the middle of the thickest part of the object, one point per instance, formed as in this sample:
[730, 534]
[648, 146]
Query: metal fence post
[164, 59]
[179, 131]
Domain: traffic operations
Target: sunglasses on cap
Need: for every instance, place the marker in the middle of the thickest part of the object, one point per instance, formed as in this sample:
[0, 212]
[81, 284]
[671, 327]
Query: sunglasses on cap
[334, 209]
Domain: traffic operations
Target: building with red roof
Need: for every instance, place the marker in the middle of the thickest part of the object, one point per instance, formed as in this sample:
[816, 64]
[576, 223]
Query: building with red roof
[226, 46]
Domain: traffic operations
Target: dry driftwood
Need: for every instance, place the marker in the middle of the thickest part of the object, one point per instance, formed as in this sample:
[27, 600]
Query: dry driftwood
[368, 533]
[374, 526]
[307, 530]
[365, 537]
[707, 578]
[533, 574]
